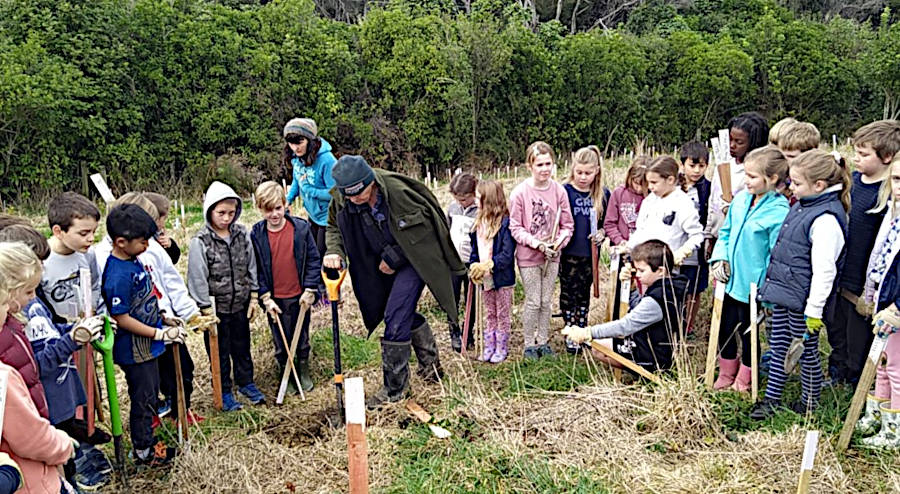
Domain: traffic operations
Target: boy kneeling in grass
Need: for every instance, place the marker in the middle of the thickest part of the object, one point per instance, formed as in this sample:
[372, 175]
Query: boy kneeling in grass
[647, 333]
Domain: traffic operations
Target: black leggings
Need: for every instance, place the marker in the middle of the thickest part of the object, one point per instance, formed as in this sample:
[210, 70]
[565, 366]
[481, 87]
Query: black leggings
[735, 324]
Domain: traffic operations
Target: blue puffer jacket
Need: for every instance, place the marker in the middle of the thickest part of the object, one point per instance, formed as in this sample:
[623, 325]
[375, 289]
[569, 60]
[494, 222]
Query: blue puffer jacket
[504, 255]
[313, 183]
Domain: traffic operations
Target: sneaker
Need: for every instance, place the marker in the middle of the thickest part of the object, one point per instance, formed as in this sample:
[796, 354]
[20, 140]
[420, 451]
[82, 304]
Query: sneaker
[87, 476]
[98, 459]
[545, 351]
[253, 394]
[799, 407]
[765, 408]
[164, 408]
[158, 456]
[532, 353]
[229, 404]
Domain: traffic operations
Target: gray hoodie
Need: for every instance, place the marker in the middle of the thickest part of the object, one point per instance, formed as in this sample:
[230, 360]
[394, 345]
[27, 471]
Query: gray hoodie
[221, 267]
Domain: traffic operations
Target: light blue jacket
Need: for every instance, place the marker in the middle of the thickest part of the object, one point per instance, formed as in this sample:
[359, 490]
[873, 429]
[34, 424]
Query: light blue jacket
[746, 240]
[313, 184]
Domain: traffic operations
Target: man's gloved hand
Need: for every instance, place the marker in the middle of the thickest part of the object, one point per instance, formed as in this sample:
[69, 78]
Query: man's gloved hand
[89, 329]
[721, 271]
[626, 272]
[681, 254]
[864, 308]
[170, 334]
[253, 309]
[814, 324]
[577, 335]
[270, 306]
[889, 316]
[309, 297]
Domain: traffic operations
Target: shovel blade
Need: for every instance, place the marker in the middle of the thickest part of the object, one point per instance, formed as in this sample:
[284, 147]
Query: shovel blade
[793, 355]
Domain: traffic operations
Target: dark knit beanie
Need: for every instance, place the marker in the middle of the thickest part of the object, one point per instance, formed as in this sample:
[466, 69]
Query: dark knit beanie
[352, 174]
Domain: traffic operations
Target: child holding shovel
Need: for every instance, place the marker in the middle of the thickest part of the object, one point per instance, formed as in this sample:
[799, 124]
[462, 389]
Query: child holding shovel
[741, 256]
[492, 267]
[289, 269]
[882, 291]
[799, 284]
[540, 220]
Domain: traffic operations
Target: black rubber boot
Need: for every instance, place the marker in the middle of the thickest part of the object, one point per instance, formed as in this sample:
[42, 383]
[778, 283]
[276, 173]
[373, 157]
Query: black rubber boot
[455, 338]
[395, 370]
[426, 350]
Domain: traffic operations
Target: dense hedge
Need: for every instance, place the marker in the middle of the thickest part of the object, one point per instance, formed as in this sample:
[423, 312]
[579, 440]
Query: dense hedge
[155, 92]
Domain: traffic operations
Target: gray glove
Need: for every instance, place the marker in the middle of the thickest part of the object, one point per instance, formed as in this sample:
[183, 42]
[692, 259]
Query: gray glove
[170, 334]
[721, 271]
[89, 329]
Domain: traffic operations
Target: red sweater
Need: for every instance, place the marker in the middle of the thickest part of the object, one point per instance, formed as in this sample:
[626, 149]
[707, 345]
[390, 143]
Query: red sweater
[621, 214]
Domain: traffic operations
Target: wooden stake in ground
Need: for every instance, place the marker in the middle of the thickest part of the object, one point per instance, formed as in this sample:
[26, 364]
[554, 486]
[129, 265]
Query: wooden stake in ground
[714, 327]
[179, 386]
[102, 188]
[87, 304]
[809, 458]
[754, 345]
[609, 352]
[625, 297]
[357, 449]
[862, 389]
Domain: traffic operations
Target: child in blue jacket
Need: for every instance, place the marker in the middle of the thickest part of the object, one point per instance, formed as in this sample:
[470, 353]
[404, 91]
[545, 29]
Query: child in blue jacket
[741, 256]
[492, 267]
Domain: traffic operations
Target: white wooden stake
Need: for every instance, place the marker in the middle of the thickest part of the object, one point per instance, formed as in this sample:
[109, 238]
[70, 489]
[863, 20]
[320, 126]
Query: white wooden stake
[102, 188]
[357, 449]
[833, 141]
[809, 459]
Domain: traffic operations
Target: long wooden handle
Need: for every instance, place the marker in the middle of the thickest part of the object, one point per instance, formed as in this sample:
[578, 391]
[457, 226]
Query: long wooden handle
[754, 345]
[862, 389]
[282, 388]
[609, 352]
[179, 387]
[595, 269]
[290, 363]
[613, 279]
[215, 369]
[725, 180]
[714, 327]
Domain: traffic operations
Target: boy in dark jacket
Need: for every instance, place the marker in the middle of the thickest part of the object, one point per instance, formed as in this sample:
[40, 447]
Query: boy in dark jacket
[647, 333]
[289, 268]
[694, 161]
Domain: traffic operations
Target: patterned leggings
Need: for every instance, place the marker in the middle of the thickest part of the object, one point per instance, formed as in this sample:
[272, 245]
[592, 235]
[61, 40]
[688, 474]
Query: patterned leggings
[538, 287]
[575, 278]
[497, 305]
[786, 325]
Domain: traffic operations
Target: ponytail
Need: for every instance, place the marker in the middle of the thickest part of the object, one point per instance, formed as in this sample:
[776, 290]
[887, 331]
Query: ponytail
[830, 168]
[847, 181]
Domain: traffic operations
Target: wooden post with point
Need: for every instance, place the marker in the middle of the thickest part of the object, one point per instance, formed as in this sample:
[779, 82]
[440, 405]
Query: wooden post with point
[357, 449]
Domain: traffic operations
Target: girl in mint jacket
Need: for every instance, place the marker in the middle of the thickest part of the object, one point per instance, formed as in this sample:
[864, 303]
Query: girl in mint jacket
[741, 256]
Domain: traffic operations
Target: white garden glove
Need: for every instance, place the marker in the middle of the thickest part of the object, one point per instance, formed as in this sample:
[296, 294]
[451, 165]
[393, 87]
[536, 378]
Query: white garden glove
[269, 304]
[309, 297]
[201, 321]
[721, 271]
[626, 272]
[170, 334]
[89, 329]
[681, 254]
[577, 335]
[548, 250]
[888, 316]
[597, 237]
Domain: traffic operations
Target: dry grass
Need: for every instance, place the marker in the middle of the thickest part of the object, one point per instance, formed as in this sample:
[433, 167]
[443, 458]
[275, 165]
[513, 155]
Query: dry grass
[598, 435]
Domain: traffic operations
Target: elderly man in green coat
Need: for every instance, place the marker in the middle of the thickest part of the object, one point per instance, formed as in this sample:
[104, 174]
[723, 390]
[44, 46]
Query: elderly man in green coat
[392, 234]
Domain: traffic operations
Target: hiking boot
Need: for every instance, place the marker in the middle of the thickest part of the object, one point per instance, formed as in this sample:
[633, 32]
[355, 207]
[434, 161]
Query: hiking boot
[253, 394]
[426, 350]
[871, 421]
[395, 371]
[765, 408]
[229, 404]
[305, 380]
[727, 370]
[158, 456]
[455, 338]
[889, 435]
[532, 353]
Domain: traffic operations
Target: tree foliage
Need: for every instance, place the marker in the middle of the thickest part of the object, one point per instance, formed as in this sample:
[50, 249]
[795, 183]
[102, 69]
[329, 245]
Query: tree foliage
[154, 92]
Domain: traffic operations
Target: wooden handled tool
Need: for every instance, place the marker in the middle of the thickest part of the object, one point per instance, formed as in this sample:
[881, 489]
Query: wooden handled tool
[714, 327]
[862, 389]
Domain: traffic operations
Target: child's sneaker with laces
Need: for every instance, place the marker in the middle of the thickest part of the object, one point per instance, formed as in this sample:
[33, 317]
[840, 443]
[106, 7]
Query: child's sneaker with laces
[87, 476]
[253, 394]
[229, 404]
[98, 459]
[165, 408]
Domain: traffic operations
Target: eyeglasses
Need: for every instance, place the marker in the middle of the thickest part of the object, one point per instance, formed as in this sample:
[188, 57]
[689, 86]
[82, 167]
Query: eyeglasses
[294, 138]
